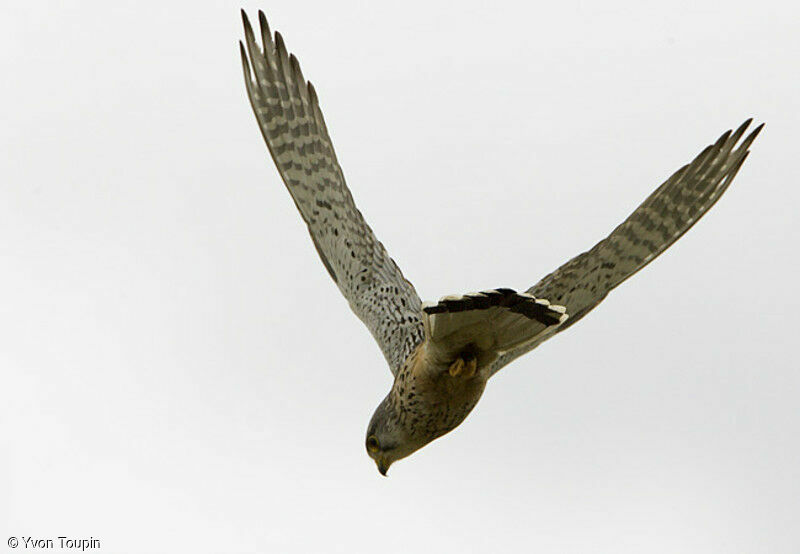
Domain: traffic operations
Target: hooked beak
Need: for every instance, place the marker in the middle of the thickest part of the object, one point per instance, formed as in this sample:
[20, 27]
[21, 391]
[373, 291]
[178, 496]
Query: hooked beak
[383, 466]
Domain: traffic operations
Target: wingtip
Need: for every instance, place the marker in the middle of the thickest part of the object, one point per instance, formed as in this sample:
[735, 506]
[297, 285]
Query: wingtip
[262, 21]
[298, 75]
[754, 133]
[312, 93]
[245, 64]
[243, 54]
[723, 138]
[279, 42]
[248, 29]
[748, 141]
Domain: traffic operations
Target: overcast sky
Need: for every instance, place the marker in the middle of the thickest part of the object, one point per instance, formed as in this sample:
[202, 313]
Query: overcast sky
[180, 374]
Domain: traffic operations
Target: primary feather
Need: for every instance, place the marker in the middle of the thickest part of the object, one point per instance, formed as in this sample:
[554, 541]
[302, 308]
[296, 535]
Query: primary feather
[288, 113]
[584, 281]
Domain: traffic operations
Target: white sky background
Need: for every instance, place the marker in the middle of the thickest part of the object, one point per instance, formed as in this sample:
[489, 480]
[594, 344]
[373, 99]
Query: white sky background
[179, 373]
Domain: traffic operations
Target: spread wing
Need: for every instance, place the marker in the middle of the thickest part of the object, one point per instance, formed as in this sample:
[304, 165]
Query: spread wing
[584, 281]
[287, 110]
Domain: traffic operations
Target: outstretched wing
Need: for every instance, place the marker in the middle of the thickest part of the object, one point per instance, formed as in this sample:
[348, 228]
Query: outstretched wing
[584, 281]
[288, 113]
[487, 324]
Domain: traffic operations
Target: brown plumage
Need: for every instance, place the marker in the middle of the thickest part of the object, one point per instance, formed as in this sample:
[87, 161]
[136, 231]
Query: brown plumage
[442, 355]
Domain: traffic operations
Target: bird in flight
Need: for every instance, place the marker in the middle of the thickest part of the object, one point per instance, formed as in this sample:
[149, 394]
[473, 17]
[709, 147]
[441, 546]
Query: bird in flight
[442, 354]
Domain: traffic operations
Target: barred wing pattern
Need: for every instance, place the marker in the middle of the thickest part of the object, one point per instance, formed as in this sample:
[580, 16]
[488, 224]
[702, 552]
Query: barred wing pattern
[287, 110]
[584, 281]
[487, 323]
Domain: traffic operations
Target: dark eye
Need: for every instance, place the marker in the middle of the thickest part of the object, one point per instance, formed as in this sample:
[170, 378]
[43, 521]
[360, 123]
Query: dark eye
[372, 444]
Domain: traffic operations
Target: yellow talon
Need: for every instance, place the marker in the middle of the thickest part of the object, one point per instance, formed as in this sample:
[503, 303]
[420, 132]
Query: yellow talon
[456, 367]
[462, 367]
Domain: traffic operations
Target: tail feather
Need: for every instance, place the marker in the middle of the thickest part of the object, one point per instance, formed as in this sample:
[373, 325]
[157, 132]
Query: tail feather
[488, 323]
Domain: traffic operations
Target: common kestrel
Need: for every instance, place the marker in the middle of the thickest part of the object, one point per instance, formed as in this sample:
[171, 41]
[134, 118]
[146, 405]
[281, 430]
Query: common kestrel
[442, 354]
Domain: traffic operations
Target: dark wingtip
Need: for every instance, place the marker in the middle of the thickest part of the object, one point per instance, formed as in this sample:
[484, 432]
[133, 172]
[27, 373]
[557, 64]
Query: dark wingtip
[262, 22]
[245, 61]
[248, 29]
[747, 142]
[245, 66]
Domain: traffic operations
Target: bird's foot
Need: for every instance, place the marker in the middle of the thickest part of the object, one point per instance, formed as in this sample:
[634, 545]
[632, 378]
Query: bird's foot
[465, 366]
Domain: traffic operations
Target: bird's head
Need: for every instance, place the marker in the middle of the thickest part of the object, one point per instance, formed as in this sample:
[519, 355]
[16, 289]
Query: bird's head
[388, 439]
